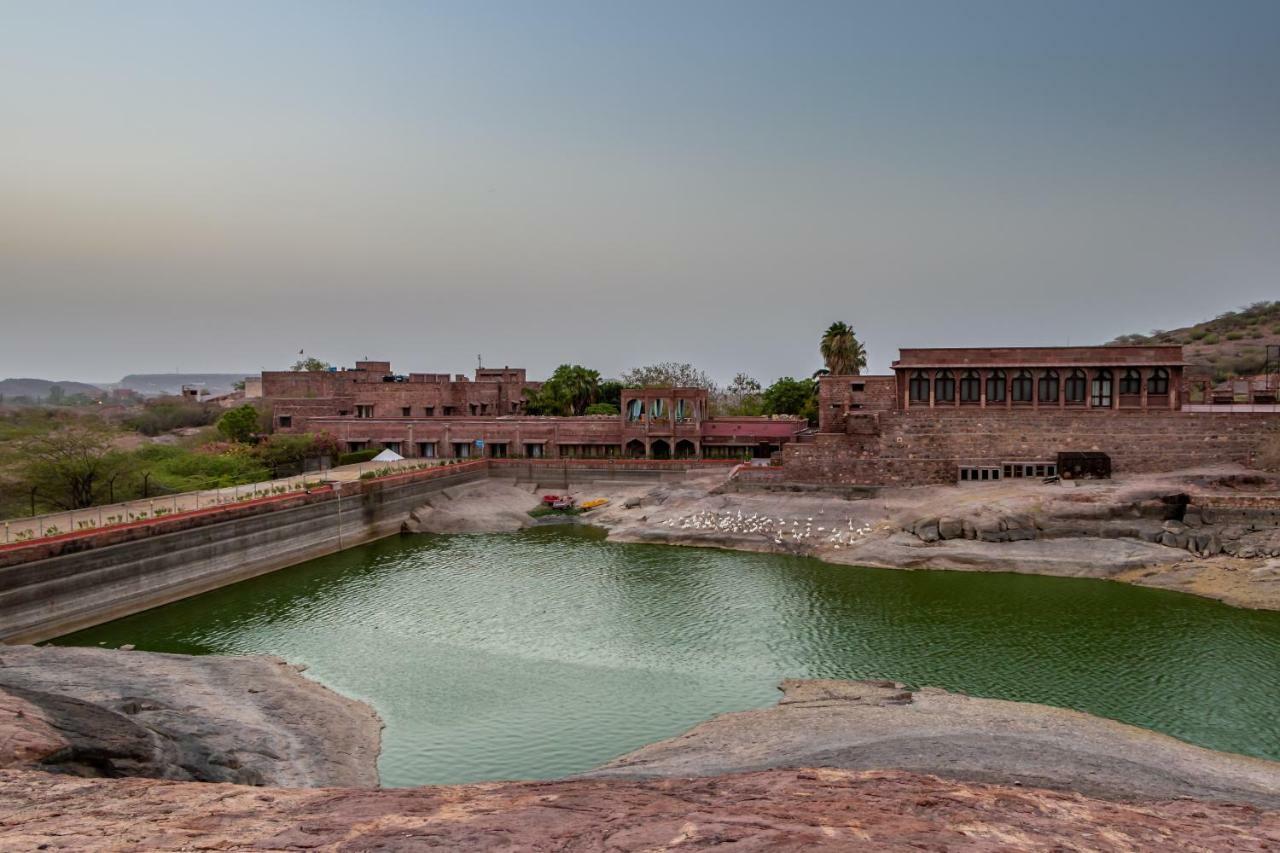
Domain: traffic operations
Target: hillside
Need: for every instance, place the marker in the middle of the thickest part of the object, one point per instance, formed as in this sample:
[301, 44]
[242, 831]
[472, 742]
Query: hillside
[1231, 344]
[38, 389]
[171, 383]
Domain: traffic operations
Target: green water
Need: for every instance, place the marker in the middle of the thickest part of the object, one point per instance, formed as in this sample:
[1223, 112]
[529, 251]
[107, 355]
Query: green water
[549, 652]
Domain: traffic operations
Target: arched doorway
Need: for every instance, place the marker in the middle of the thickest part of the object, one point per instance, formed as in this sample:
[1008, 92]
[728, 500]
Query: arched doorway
[685, 449]
[660, 449]
[635, 448]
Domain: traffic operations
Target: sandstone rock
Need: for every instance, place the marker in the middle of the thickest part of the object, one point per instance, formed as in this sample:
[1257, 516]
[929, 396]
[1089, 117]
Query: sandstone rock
[927, 530]
[950, 528]
[246, 720]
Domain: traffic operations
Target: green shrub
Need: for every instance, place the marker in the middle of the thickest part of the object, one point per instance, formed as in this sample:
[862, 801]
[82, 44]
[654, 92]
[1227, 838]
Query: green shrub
[1199, 334]
[357, 456]
[1235, 336]
[1211, 339]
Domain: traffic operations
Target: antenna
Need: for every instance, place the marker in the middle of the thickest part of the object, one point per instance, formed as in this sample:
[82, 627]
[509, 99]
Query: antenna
[479, 363]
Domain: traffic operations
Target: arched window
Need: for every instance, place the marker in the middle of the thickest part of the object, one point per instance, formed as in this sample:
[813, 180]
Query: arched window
[1075, 386]
[995, 387]
[1021, 388]
[1159, 381]
[635, 410]
[970, 387]
[944, 388]
[1101, 397]
[919, 387]
[1131, 382]
[1049, 387]
[658, 409]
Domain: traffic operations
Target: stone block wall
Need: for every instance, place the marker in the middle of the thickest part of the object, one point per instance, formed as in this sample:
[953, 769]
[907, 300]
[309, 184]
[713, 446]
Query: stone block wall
[927, 446]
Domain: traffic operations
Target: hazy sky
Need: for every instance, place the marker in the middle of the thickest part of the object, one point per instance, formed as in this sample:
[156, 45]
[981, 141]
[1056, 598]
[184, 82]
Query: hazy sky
[214, 186]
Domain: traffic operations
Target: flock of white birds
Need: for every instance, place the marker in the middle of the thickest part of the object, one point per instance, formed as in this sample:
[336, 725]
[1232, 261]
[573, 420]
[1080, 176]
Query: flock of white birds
[835, 534]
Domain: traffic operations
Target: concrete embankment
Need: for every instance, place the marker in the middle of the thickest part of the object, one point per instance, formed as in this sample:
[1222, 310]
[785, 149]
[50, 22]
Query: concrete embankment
[54, 586]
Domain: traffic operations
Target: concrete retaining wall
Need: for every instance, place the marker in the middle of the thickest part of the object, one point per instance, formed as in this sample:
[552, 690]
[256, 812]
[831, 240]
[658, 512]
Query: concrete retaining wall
[55, 595]
[55, 586]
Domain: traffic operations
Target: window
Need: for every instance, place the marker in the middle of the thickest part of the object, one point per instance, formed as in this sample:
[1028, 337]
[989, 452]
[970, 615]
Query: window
[364, 411]
[406, 412]
[427, 449]
[970, 387]
[497, 450]
[857, 387]
[1101, 397]
[286, 421]
[635, 410]
[995, 387]
[1049, 387]
[1131, 382]
[450, 411]
[429, 411]
[1021, 387]
[393, 446]
[944, 389]
[462, 449]
[1075, 387]
[357, 445]
[474, 410]
[919, 387]
[658, 409]
[1159, 382]
[533, 451]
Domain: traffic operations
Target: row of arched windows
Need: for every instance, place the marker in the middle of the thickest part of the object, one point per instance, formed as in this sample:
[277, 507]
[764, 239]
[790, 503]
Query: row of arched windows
[1023, 385]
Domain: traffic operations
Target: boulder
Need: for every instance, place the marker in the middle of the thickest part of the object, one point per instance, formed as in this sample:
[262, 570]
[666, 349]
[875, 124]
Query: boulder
[951, 528]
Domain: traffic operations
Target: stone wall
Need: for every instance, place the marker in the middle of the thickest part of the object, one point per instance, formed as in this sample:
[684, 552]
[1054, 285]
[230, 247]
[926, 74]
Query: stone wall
[926, 446]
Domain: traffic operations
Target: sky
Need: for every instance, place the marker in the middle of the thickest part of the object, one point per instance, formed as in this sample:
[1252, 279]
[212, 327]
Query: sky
[214, 186]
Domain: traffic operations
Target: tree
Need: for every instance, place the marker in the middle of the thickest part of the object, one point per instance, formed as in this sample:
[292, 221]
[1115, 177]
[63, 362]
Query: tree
[790, 396]
[309, 363]
[742, 397]
[69, 467]
[610, 392]
[239, 424]
[56, 395]
[841, 351]
[569, 391]
[601, 409]
[667, 374]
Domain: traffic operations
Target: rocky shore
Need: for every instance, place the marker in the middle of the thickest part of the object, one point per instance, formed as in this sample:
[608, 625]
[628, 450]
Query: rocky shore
[1145, 530]
[244, 720]
[836, 765]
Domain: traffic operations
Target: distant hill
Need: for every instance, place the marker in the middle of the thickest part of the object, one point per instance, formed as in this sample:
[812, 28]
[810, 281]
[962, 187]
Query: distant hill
[154, 384]
[1229, 345]
[39, 389]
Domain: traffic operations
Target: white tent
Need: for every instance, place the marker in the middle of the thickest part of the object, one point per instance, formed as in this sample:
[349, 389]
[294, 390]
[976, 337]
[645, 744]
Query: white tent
[387, 456]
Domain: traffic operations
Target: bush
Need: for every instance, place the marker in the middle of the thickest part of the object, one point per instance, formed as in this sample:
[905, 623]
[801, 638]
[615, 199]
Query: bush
[1235, 336]
[170, 414]
[357, 456]
[1211, 339]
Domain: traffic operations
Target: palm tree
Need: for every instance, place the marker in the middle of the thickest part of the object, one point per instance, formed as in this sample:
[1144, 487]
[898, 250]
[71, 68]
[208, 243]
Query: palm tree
[841, 350]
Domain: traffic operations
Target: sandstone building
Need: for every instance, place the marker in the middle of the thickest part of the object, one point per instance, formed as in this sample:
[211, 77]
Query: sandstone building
[434, 415]
[948, 414]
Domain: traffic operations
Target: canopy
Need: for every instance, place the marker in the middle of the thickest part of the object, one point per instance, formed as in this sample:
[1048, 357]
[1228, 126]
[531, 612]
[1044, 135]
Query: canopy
[387, 456]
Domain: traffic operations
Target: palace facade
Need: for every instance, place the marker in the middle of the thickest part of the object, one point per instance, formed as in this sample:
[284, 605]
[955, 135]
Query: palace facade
[438, 416]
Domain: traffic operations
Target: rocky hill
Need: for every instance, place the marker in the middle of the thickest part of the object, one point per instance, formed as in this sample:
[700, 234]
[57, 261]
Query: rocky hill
[40, 389]
[1231, 344]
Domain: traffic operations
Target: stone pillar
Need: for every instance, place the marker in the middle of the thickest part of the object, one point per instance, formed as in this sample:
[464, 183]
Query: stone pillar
[1035, 388]
[982, 388]
[1142, 378]
[933, 381]
[1088, 388]
[1062, 388]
